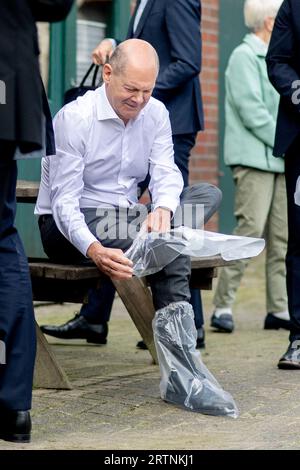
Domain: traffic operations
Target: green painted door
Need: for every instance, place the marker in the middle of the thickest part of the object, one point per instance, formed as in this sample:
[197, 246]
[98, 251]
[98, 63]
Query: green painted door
[232, 30]
[120, 19]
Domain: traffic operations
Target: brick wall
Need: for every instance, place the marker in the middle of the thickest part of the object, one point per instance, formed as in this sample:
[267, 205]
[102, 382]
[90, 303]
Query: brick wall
[204, 160]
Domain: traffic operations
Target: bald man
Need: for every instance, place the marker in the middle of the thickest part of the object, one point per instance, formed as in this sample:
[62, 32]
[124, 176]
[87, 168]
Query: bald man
[107, 141]
[173, 29]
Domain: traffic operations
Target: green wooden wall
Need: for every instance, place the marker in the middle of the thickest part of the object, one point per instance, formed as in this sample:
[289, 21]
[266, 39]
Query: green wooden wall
[232, 30]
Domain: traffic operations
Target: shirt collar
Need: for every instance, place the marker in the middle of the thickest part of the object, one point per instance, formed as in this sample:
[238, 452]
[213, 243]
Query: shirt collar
[105, 111]
[104, 108]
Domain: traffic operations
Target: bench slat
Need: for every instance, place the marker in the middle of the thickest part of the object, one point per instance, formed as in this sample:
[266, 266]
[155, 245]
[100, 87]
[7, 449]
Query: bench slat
[45, 269]
[63, 271]
[27, 189]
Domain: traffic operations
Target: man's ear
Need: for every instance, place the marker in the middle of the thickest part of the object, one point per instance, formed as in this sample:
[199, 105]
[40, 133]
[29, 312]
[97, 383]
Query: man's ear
[106, 73]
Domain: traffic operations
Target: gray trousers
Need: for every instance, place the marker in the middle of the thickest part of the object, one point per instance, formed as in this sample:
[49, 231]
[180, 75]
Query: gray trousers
[172, 283]
[169, 285]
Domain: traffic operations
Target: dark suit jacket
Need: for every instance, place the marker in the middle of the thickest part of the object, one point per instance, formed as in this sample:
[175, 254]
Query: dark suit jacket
[283, 61]
[21, 116]
[173, 29]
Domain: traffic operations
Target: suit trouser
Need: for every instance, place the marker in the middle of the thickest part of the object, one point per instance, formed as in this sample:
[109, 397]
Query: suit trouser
[292, 172]
[260, 209]
[17, 327]
[183, 144]
[169, 285]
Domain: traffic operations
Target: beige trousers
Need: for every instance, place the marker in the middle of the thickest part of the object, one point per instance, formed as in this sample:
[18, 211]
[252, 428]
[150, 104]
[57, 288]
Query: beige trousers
[261, 211]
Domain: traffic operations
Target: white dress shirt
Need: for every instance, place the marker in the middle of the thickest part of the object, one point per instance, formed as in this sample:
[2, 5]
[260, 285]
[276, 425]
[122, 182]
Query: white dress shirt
[139, 13]
[99, 161]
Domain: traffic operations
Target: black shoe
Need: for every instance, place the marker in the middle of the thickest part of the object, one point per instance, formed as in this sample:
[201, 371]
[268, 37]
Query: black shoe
[78, 328]
[291, 359]
[15, 426]
[223, 323]
[274, 323]
[141, 345]
[200, 338]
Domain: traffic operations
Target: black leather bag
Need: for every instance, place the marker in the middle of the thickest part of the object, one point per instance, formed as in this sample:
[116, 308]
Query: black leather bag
[73, 93]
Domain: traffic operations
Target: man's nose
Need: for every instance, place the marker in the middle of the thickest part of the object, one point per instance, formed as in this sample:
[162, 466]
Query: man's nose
[139, 98]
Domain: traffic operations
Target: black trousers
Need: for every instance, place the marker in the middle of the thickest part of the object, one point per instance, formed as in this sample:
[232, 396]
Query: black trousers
[17, 327]
[292, 171]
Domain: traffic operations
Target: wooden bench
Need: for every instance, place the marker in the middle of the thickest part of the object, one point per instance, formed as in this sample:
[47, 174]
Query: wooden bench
[70, 283]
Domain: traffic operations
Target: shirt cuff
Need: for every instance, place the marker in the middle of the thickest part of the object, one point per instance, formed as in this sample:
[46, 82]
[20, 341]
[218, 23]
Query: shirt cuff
[83, 239]
[167, 203]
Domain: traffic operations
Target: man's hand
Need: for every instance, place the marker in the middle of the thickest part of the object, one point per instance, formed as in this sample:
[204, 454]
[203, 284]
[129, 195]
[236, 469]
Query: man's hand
[158, 221]
[111, 261]
[102, 52]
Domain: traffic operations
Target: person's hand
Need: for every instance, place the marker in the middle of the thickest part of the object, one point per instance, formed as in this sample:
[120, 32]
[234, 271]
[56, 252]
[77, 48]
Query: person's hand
[158, 221]
[111, 261]
[102, 52]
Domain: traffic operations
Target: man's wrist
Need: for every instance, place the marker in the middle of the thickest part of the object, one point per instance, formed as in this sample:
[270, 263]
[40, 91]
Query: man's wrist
[95, 246]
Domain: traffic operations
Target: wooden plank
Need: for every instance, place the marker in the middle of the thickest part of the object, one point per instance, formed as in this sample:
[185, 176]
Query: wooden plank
[139, 304]
[66, 272]
[60, 291]
[27, 191]
[210, 262]
[202, 278]
[46, 269]
[47, 371]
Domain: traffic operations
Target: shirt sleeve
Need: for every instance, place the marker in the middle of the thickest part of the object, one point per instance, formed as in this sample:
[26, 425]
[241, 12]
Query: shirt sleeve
[166, 182]
[66, 178]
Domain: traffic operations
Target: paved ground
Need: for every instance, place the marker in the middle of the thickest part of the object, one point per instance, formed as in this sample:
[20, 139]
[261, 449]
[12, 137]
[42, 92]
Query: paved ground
[115, 402]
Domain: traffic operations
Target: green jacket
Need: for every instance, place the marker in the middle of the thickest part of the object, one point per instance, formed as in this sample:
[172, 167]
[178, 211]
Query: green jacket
[250, 109]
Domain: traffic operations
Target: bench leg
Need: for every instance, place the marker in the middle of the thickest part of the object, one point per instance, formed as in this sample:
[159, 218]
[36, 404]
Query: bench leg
[47, 371]
[138, 302]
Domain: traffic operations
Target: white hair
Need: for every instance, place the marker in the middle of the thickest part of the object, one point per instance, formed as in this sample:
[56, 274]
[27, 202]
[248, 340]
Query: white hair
[256, 12]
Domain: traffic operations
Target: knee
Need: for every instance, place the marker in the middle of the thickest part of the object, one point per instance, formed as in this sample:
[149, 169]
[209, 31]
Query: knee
[208, 195]
[215, 196]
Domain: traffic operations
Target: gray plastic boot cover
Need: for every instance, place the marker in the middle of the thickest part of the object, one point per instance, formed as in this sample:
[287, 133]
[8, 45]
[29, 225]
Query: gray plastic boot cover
[185, 380]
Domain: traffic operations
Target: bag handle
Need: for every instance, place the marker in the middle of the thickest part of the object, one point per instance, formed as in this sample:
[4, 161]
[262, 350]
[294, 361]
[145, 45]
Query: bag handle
[88, 73]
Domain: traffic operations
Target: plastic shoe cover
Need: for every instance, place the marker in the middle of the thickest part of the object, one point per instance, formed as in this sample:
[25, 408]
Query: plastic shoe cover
[185, 381]
[151, 252]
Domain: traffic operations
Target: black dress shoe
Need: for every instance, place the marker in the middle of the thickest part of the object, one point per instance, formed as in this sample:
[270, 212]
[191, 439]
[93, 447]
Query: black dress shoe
[291, 359]
[223, 323]
[15, 426]
[78, 328]
[274, 323]
[141, 345]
